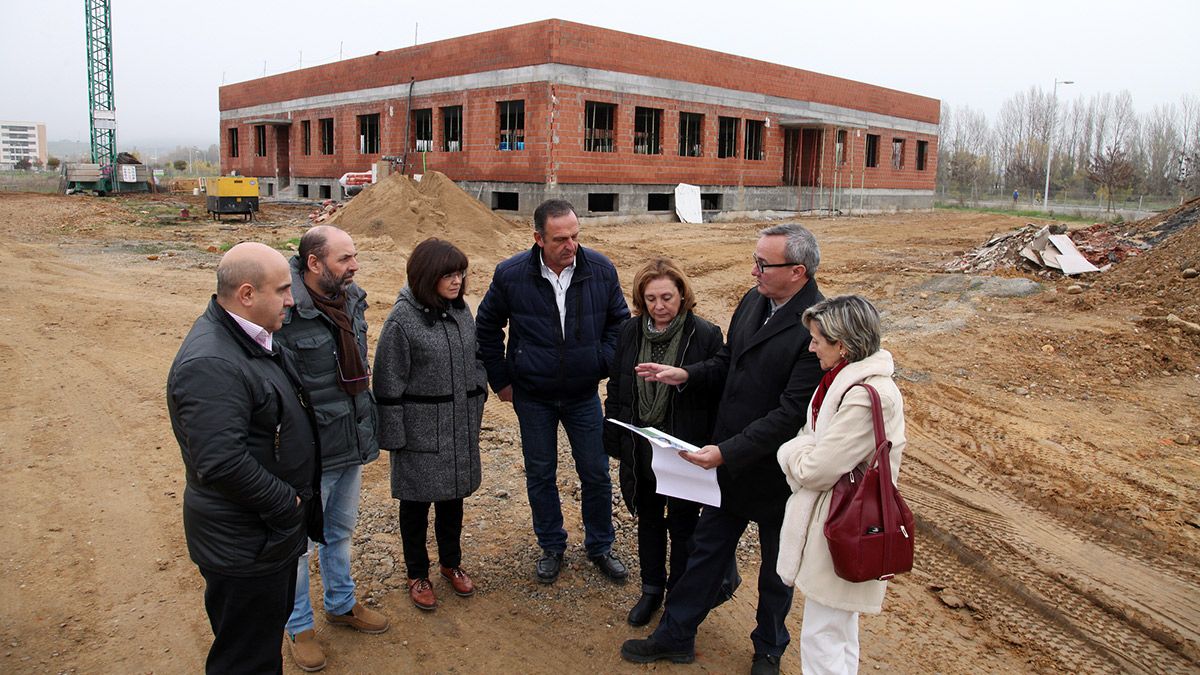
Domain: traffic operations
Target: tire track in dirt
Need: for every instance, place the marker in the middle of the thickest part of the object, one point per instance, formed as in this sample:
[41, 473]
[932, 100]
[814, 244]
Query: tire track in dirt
[1076, 601]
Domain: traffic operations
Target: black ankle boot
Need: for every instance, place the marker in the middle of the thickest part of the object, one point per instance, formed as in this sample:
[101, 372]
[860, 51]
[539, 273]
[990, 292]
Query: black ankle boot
[645, 608]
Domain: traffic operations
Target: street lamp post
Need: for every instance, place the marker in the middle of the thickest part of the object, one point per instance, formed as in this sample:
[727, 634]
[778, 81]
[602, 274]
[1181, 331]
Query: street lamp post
[1049, 141]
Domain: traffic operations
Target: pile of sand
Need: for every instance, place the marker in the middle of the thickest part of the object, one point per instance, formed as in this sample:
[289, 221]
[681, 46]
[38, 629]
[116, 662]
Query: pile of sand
[410, 211]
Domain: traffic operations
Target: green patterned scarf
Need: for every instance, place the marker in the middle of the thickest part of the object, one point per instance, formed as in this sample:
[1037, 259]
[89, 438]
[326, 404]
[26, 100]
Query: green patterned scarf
[657, 347]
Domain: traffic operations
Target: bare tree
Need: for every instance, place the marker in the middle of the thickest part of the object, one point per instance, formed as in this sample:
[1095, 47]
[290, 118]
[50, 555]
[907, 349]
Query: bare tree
[1111, 171]
[1161, 148]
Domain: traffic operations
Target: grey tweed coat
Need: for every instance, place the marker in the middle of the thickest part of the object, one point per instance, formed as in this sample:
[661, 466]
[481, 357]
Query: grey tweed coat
[430, 389]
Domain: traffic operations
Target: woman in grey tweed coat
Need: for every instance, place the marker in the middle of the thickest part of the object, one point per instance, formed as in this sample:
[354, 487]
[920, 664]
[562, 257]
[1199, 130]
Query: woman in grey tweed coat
[430, 389]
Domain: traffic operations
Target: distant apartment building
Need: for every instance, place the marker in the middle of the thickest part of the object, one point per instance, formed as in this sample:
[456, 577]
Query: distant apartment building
[609, 120]
[22, 140]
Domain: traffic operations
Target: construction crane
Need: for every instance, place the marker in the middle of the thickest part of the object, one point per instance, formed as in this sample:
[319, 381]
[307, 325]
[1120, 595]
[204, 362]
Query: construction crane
[103, 174]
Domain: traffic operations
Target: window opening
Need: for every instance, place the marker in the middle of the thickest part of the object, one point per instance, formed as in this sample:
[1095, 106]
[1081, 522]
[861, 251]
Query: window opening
[368, 134]
[598, 126]
[727, 128]
[691, 125]
[647, 131]
[422, 122]
[505, 201]
[872, 150]
[841, 147]
[754, 139]
[602, 202]
[452, 128]
[260, 140]
[659, 201]
[922, 154]
[512, 125]
[897, 153]
[326, 137]
[306, 134]
[233, 142]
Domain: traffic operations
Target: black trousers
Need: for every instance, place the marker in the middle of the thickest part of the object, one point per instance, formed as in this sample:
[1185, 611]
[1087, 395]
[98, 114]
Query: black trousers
[247, 615]
[713, 546]
[660, 516]
[447, 529]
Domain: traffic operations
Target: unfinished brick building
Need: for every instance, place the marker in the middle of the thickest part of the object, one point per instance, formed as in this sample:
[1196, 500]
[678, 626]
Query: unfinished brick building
[609, 120]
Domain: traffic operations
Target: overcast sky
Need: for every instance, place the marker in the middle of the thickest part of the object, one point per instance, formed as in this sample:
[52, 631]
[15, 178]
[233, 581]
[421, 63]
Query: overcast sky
[170, 57]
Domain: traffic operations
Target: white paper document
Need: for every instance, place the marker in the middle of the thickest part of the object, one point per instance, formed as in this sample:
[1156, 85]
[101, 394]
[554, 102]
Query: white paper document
[675, 476]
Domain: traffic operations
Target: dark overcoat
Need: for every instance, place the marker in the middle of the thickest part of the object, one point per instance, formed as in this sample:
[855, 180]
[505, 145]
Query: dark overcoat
[767, 377]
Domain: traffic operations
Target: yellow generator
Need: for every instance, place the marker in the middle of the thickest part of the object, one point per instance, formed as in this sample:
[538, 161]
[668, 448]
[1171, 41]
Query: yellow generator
[231, 194]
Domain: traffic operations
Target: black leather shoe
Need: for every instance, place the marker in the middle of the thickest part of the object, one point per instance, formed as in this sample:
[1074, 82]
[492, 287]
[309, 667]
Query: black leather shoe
[649, 651]
[645, 608]
[764, 664]
[612, 568]
[548, 567]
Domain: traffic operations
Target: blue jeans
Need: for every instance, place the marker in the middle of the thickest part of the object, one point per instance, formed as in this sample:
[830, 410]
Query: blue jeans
[339, 499]
[582, 419]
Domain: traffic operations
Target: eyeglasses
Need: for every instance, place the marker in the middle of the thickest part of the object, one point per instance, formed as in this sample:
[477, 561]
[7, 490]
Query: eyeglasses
[763, 266]
[457, 274]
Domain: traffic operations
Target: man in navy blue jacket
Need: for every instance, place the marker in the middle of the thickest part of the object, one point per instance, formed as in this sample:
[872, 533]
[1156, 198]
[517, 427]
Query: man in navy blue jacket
[564, 307]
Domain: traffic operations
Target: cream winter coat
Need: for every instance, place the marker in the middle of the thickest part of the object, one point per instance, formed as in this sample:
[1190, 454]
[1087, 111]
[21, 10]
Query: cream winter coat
[821, 453]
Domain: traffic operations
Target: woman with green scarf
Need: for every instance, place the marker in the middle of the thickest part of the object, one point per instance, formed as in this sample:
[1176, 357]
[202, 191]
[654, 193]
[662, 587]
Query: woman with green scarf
[663, 329]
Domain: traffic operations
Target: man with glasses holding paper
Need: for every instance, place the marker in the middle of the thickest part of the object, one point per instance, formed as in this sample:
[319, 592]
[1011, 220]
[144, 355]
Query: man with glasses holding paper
[767, 376]
[326, 331]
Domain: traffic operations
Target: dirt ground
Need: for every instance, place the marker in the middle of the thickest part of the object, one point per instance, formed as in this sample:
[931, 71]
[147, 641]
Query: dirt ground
[1052, 465]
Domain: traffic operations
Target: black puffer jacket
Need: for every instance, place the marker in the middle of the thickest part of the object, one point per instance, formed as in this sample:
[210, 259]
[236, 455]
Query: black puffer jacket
[249, 448]
[690, 413]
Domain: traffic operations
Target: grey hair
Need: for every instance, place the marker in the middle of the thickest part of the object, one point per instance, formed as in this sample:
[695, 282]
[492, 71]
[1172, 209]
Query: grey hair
[801, 247]
[849, 319]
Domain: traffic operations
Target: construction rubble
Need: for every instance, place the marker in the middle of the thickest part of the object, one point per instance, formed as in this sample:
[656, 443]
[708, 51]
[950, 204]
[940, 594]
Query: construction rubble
[1053, 250]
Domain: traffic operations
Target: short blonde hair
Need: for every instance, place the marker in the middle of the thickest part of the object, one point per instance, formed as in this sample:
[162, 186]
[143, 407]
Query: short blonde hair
[849, 319]
[657, 269]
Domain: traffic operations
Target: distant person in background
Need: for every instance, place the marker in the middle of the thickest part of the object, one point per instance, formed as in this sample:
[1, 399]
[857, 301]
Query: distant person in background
[326, 331]
[663, 329]
[249, 446]
[431, 389]
[1016, 195]
[838, 436]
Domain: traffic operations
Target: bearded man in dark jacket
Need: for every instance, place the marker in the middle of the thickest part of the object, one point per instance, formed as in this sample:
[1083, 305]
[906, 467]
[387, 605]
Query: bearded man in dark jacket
[250, 452]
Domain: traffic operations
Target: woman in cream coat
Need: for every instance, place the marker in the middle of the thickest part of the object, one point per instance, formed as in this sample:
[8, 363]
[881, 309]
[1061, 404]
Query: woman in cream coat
[837, 436]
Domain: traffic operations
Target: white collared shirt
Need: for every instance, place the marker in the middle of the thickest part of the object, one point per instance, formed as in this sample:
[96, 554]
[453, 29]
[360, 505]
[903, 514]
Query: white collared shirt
[260, 335]
[560, 283]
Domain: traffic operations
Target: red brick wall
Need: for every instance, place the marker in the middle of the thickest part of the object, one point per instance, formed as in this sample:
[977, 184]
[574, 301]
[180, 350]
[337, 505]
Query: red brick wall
[568, 162]
[556, 41]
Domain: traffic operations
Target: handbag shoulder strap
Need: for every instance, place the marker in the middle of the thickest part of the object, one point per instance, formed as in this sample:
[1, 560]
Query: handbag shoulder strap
[881, 440]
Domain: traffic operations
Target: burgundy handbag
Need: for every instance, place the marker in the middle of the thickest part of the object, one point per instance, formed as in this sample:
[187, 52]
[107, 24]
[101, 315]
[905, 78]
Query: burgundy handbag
[870, 528]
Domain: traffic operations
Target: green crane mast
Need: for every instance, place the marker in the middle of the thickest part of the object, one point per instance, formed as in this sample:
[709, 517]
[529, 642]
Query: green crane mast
[102, 112]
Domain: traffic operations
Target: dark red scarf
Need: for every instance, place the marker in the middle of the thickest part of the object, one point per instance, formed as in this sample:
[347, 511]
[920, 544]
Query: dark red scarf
[822, 388]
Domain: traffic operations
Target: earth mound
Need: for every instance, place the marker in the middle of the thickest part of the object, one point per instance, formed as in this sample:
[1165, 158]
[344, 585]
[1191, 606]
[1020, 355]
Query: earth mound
[410, 210]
